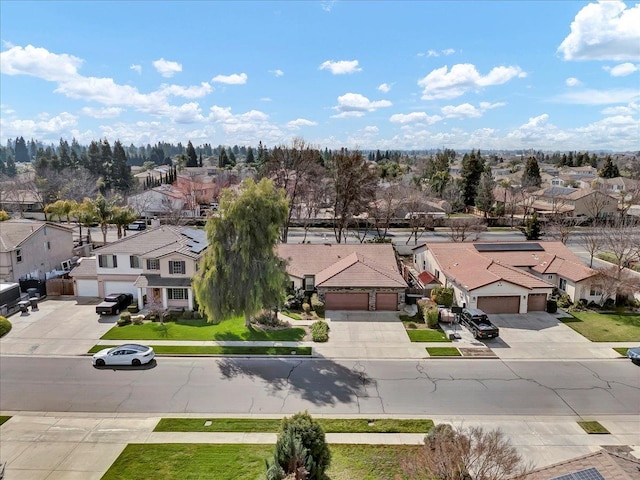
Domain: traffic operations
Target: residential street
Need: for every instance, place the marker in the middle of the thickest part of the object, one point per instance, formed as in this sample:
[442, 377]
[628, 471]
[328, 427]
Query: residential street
[284, 386]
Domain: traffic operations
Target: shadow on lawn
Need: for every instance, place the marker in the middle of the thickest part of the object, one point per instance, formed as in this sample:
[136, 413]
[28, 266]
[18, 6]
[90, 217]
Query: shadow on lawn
[321, 382]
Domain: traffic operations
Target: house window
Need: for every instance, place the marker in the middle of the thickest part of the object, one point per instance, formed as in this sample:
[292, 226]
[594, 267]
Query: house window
[562, 285]
[177, 267]
[107, 261]
[438, 274]
[595, 290]
[549, 277]
[177, 293]
[153, 264]
[18, 255]
[134, 262]
[47, 245]
[309, 283]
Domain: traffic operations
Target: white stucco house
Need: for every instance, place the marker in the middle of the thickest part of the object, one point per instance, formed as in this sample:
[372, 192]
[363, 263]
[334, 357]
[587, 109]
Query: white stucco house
[507, 277]
[156, 265]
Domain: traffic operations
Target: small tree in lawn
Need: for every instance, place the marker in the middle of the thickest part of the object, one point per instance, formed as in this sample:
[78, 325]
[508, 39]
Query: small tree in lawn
[301, 450]
[532, 229]
[241, 272]
[442, 296]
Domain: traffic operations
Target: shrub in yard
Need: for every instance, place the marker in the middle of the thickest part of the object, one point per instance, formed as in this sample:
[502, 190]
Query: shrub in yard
[432, 318]
[133, 308]
[5, 326]
[268, 318]
[317, 305]
[442, 296]
[320, 331]
[301, 450]
[187, 315]
[306, 308]
[125, 319]
[197, 315]
[411, 325]
[564, 301]
[137, 319]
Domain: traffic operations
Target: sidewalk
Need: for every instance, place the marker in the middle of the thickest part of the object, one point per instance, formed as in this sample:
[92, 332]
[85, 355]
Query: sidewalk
[74, 446]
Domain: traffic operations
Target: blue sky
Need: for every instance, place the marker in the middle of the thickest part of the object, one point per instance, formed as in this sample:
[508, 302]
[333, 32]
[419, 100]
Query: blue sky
[550, 75]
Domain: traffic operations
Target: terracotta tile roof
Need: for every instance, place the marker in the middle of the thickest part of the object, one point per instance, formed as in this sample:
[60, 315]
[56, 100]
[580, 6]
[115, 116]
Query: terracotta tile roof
[610, 465]
[426, 278]
[343, 265]
[461, 262]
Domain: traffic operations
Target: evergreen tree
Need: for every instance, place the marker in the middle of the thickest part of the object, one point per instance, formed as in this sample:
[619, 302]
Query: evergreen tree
[531, 175]
[232, 157]
[10, 168]
[532, 228]
[485, 198]
[121, 178]
[472, 168]
[21, 151]
[223, 160]
[200, 160]
[63, 152]
[609, 169]
[191, 155]
[250, 158]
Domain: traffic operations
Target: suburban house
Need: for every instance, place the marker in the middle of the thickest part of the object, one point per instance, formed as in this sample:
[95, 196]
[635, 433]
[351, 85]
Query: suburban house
[347, 277]
[165, 200]
[31, 248]
[573, 202]
[507, 277]
[599, 465]
[157, 263]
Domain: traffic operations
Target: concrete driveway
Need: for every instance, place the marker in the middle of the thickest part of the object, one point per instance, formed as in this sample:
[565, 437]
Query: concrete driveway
[538, 335]
[57, 327]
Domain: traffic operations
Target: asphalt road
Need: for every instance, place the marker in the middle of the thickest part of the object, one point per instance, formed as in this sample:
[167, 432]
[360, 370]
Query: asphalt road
[285, 386]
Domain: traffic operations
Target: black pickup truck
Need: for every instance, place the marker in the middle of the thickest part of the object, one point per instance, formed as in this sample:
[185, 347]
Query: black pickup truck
[114, 303]
[479, 324]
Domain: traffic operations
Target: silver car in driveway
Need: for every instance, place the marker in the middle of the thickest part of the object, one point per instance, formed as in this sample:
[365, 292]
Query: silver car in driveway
[128, 354]
[634, 355]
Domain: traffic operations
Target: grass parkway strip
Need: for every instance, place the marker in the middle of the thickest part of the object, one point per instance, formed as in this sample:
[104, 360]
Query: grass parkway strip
[272, 425]
[218, 350]
[179, 461]
[605, 327]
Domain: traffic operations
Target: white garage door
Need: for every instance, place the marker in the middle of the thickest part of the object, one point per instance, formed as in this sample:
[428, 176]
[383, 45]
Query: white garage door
[86, 288]
[120, 287]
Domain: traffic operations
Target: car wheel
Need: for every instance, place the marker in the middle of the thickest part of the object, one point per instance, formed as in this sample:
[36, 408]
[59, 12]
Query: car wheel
[100, 362]
[117, 311]
[135, 362]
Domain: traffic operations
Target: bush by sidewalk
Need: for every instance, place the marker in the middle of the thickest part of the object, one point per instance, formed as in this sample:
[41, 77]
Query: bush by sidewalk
[5, 326]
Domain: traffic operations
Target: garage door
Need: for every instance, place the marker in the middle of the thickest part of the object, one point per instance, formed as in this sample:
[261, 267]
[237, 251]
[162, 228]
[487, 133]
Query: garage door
[499, 304]
[120, 287]
[86, 288]
[346, 301]
[387, 301]
[537, 302]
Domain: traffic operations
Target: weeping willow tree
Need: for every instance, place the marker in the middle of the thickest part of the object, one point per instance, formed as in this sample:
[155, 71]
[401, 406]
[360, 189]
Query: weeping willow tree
[241, 272]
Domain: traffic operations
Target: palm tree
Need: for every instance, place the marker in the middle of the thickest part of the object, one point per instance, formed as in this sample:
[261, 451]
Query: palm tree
[103, 209]
[83, 213]
[123, 216]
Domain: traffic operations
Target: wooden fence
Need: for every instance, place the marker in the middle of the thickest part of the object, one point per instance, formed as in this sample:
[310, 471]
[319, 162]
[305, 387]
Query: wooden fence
[60, 286]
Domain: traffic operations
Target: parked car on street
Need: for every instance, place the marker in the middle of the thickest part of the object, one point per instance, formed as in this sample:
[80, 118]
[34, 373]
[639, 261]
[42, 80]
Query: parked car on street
[114, 303]
[479, 324]
[128, 354]
[137, 225]
[634, 355]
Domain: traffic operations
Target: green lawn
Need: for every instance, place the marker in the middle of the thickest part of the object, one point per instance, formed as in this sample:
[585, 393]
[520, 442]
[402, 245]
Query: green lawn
[593, 427]
[4, 418]
[443, 352]
[232, 329]
[621, 350]
[605, 327]
[218, 350]
[247, 462]
[427, 335]
[330, 425]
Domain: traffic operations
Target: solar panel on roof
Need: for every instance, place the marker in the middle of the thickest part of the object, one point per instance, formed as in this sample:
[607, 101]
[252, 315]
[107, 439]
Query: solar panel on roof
[509, 247]
[197, 239]
[588, 474]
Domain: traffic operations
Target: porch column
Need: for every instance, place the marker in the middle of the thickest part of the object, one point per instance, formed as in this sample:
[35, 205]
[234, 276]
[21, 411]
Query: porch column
[140, 301]
[190, 298]
[164, 298]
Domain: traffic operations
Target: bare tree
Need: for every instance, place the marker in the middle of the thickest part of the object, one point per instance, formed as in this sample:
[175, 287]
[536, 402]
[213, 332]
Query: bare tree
[384, 209]
[291, 168]
[354, 186]
[465, 228]
[561, 228]
[452, 453]
[592, 242]
[616, 284]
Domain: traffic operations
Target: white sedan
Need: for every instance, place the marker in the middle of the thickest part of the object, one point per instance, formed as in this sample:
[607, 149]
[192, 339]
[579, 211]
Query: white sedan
[129, 354]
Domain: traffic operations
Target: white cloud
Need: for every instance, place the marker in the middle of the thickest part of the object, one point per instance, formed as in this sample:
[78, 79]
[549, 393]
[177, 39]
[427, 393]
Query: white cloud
[490, 106]
[233, 79]
[244, 128]
[384, 87]
[194, 91]
[300, 122]
[167, 68]
[371, 129]
[39, 62]
[435, 53]
[607, 30]
[572, 82]
[443, 83]
[466, 110]
[355, 105]
[623, 69]
[107, 112]
[631, 109]
[327, 5]
[448, 51]
[46, 127]
[341, 67]
[277, 72]
[136, 68]
[266, 99]
[414, 117]
[599, 97]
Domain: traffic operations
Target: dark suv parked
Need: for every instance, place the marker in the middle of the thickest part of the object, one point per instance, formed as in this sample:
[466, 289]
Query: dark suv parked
[479, 324]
